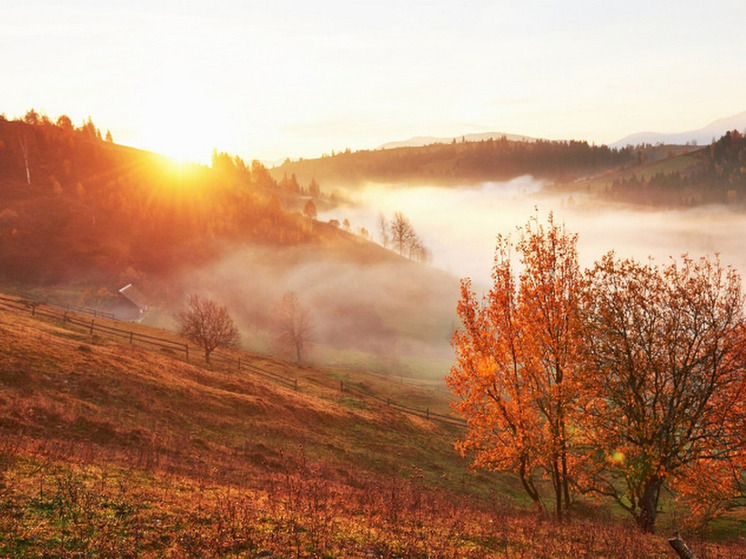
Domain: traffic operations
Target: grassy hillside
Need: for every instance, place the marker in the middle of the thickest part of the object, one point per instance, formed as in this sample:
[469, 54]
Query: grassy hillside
[86, 216]
[113, 450]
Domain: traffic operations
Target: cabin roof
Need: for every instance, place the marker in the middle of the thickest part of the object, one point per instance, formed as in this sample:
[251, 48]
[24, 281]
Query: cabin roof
[134, 296]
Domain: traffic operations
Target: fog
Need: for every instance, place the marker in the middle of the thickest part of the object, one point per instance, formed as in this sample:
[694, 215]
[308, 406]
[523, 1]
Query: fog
[460, 225]
[388, 314]
[379, 313]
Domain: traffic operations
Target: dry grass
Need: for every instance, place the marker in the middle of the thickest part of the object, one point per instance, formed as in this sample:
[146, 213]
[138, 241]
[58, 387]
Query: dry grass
[110, 450]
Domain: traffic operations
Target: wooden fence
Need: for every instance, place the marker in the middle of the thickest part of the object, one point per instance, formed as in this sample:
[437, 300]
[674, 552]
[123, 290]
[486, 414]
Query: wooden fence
[70, 317]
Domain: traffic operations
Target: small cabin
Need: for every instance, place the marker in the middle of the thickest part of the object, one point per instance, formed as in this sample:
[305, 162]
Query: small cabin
[131, 304]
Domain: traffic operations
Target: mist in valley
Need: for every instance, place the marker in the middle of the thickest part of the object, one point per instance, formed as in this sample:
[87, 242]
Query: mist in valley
[395, 316]
[385, 315]
[460, 225]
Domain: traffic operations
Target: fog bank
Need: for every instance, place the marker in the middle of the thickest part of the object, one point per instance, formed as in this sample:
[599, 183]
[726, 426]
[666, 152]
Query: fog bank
[460, 225]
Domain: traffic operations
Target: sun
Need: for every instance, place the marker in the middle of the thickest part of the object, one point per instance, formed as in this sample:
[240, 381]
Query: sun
[176, 123]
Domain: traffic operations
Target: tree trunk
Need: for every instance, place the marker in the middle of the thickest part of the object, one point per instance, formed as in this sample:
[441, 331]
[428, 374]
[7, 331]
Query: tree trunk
[557, 482]
[528, 485]
[649, 505]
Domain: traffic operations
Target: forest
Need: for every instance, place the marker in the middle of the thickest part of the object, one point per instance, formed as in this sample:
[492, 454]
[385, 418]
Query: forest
[73, 203]
[462, 162]
[715, 174]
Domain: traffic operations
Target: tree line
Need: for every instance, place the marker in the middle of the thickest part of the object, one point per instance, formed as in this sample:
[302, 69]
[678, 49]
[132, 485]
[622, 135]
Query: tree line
[620, 380]
[458, 162]
[72, 202]
[716, 176]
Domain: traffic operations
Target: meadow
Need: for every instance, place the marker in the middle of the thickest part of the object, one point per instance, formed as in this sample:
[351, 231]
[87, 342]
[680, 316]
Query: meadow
[115, 450]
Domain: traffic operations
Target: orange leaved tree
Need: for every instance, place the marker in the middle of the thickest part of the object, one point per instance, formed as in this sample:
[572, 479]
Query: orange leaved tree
[516, 360]
[664, 384]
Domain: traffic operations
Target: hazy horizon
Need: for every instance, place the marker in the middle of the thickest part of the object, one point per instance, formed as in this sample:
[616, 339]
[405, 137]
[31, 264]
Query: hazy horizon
[270, 80]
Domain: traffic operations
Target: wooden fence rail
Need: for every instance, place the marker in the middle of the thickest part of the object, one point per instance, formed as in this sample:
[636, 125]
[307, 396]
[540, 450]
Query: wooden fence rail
[42, 310]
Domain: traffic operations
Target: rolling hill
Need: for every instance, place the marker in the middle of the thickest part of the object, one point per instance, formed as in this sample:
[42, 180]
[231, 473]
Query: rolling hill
[458, 163]
[110, 449]
[82, 217]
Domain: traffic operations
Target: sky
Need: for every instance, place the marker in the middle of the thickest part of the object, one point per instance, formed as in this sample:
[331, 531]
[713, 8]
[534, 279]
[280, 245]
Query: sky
[270, 79]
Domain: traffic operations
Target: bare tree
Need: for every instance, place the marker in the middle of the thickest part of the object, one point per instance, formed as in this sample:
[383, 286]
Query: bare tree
[402, 232]
[383, 227]
[207, 324]
[292, 327]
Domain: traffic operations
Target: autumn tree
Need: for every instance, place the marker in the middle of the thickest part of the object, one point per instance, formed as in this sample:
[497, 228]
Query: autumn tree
[664, 382]
[515, 368]
[292, 327]
[207, 324]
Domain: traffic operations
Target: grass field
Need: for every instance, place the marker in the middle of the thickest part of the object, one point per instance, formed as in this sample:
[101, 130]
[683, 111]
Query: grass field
[115, 450]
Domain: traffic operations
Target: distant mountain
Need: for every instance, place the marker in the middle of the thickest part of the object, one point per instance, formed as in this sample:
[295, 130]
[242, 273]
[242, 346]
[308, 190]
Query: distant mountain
[420, 141]
[702, 136]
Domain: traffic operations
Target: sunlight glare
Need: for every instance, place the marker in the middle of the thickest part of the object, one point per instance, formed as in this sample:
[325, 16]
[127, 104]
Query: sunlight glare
[177, 124]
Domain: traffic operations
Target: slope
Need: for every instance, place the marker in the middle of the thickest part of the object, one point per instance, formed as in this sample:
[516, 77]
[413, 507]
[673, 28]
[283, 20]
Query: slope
[110, 450]
[87, 216]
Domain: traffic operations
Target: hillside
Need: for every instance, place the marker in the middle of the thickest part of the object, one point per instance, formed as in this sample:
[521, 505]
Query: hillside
[114, 450]
[83, 216]
[75, 206]
[458, 162]
[675, 177]
[645, 174]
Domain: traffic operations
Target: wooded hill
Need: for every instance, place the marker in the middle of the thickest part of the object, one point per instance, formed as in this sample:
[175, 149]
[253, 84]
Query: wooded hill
[644, 174]
[73, 205]
[676, 176]
[81, 213]
[460, 162]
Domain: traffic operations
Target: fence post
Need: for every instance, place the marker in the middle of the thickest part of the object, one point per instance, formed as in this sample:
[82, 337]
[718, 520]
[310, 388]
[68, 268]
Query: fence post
[428, 413]
[341, 386]
[239, 364]
[132, 334]
[296, 383]
[64, 318]
[91, 327]
[186, 347]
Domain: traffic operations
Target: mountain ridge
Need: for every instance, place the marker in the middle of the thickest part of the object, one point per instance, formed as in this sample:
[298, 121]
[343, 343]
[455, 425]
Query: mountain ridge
[421, 141]
[700, 136]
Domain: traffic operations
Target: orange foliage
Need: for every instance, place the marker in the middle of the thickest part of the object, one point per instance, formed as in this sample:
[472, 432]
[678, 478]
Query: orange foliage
[664, 382]
[515, 360]
[623, 381]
